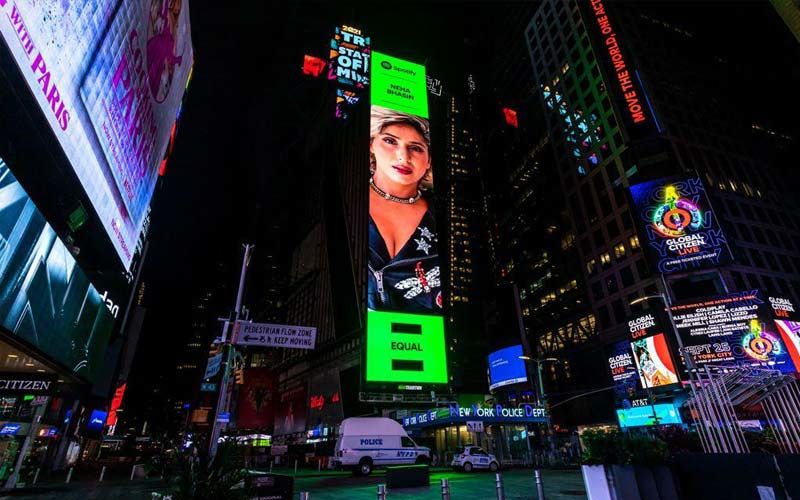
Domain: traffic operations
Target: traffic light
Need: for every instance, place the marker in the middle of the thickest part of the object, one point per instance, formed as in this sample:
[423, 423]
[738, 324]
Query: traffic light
[238, 375]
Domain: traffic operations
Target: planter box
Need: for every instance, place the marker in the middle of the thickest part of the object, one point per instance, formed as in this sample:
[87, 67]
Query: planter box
[629, 482]
[594, 478]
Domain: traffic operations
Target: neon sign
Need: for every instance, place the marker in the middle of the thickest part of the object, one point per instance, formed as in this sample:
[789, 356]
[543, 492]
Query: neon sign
[621, 71]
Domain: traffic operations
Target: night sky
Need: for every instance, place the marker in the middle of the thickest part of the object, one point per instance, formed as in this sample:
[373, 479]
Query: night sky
[227, 182]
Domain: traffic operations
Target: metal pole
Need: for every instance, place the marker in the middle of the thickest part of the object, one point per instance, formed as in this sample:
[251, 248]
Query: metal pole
[381, 492]
[69, 474]
[223, 401]
[304, 495]
[102, 474]
[445, 489]
[295, 466]
[498, 486]
[539, 485]
[36, 476]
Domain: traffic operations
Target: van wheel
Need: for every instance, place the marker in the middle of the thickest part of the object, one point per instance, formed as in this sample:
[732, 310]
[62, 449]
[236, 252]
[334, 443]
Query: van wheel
[467, 467]
[493, 466]
[422, 461]
[365, 467]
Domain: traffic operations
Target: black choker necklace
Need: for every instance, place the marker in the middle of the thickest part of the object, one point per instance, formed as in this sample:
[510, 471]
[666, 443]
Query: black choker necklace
[387, 196]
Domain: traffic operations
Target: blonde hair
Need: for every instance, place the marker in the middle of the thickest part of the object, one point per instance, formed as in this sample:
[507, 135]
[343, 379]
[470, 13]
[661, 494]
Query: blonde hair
[381, 117]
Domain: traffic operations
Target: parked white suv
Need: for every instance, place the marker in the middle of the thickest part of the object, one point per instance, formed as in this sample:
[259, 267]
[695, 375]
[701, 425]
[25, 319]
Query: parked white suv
[366, 443]
[472, 457]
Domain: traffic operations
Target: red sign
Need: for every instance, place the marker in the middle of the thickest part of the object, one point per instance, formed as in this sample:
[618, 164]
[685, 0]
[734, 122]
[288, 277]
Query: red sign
[313, 66]
[116, 402]
[621, 71]
[257, 399]
[511, 117]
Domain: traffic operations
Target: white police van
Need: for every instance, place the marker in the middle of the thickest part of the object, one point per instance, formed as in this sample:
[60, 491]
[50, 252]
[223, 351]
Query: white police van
[472, 457]
[368, 442]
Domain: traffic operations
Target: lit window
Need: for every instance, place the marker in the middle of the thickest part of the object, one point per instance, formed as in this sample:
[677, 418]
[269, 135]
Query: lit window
[634, 242]
[619, 250]
[605, 259]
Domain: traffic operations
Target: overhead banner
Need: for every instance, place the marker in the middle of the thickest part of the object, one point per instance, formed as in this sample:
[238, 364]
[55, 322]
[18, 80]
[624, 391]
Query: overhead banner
[678, 226]
[405, 329]
[109, 77]
[651, 353]
[735, 329]
[269, 335]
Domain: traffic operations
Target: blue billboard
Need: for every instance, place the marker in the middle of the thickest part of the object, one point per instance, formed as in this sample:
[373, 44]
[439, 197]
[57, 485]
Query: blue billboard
[644, 415]
[678, 225]
[45, 297]
[97, 420]
[506, 367]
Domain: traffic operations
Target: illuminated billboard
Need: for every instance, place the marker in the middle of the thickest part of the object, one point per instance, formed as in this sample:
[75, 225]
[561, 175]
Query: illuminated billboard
[622, 368]
[506, 367]
[109, 77]
[349, 66]
[679, 227]
[734, 329]
[45, 297]
[405, 331]
[651, 353]
[639, 416]
[790, 334]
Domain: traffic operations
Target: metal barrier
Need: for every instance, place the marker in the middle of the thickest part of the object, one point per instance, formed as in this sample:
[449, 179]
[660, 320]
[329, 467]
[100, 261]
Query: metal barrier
[498, 485]
[539, 485]
[445, 489]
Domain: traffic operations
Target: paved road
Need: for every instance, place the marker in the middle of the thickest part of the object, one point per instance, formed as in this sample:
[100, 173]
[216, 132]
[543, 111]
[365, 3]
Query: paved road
[519, 485]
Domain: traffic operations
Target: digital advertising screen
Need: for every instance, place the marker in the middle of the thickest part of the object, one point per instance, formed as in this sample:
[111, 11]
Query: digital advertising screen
[622, 367]
[641, 416]
[651, 352]
[109, 77]
[97, 420]
[257, 399]
[45, 297]
[678, 226]
[790, 334]
[405, 329]
[325, 399]
[734, 329]
[349, 65]
[506, 367]
[290, 412]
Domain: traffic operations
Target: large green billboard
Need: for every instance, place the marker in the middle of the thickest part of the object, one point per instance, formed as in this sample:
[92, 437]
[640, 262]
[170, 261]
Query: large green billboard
[405, 348]
[405, 330]
[399, 85]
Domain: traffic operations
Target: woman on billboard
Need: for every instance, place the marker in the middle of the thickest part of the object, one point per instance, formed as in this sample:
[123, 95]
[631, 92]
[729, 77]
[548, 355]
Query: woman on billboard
[403, 252]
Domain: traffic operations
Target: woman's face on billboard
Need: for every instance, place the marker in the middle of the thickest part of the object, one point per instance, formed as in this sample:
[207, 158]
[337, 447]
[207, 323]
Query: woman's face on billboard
[401, 156]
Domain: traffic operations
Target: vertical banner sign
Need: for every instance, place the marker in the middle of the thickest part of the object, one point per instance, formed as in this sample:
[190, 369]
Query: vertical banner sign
[257, 399]
[651, 353]
[349, 66]
[109, 77]
[735, 329]
[678, 225]
[623, 370]
[405, 329]
[624, 85]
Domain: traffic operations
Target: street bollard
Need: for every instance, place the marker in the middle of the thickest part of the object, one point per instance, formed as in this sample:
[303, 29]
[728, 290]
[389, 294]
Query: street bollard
[498, 484]
[445, 489]
[270, 467]
[295, 466]
[69, 474]
[539, 485]
[381, 492]
[36, 476]
[304, 495]
[102, 474]
[319, 465]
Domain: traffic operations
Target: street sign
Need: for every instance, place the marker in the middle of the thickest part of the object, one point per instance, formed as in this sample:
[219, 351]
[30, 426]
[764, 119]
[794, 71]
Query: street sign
[269, 335]
[474, 425]
[208, 387]
[212, 368]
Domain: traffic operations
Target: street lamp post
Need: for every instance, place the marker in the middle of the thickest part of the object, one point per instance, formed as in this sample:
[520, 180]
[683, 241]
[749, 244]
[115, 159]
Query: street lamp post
[541, 398]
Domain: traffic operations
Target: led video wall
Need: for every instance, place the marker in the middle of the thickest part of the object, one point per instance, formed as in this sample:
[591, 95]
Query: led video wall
[405, 329]
[45, 297]
[109, 77]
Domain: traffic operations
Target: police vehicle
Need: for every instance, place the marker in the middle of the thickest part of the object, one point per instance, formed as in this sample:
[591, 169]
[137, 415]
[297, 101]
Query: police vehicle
[472, 457]
[368, 442]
